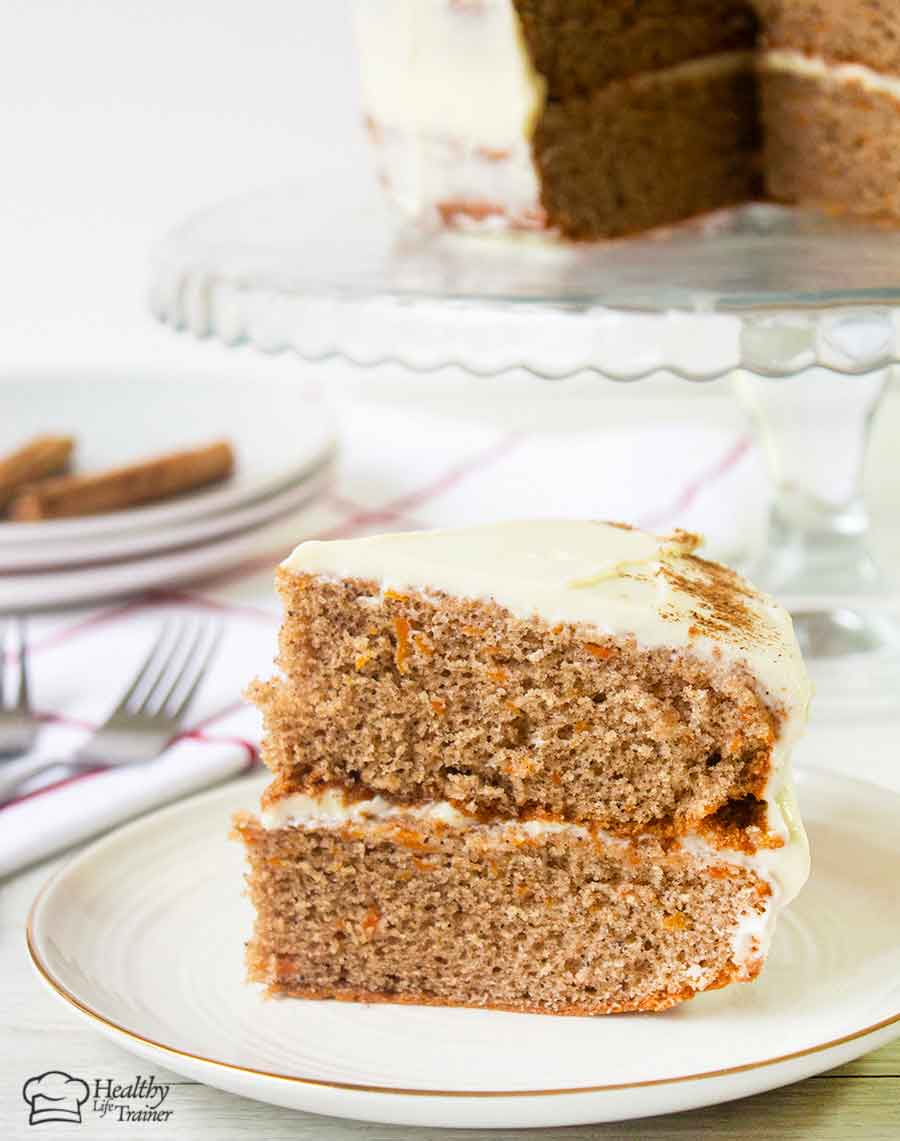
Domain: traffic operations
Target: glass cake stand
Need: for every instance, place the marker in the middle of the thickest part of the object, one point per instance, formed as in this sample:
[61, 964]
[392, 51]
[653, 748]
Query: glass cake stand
[803, 311]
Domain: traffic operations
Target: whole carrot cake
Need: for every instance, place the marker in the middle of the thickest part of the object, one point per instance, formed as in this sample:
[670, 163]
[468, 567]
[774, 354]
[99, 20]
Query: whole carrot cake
[539, 766]
[597, 118]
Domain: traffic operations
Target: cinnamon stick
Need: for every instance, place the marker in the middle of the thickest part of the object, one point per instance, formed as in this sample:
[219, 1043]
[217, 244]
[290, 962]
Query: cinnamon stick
[40, 457]
[119, 488]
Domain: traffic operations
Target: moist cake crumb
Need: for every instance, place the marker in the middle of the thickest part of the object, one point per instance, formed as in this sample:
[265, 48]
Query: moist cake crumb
[536, 766]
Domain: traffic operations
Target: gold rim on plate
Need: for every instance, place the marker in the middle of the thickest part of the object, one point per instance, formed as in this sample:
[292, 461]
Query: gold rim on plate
[354, 1087]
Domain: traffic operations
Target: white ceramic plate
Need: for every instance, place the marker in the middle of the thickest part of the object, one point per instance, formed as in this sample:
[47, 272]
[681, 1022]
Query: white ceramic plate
[278, 435]
[102, 934]
[169, 568]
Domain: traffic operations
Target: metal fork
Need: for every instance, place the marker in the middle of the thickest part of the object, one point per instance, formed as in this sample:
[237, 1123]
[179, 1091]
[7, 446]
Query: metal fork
[147, 717]
[18, 726]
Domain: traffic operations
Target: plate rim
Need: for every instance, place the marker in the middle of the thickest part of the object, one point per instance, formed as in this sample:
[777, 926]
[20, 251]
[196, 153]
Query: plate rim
[108, 1024]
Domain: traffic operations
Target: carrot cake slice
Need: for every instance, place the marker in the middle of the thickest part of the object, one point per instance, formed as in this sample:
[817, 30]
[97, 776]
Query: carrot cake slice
[538, 766]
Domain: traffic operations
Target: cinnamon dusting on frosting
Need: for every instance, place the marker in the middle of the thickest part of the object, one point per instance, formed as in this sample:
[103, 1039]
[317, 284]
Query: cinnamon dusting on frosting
[723, 601]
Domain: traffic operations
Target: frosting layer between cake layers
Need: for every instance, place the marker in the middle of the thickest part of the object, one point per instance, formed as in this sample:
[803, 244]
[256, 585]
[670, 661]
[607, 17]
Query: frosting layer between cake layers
[784, 869]
[831, 72]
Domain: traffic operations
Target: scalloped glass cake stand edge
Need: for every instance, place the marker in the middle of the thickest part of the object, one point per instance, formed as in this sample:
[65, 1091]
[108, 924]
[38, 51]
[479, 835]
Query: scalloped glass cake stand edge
[810, 367]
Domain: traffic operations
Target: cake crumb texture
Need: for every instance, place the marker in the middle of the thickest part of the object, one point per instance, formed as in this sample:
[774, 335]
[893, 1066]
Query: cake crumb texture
[833, 123]
[559, 924]
[641, 153]
[425, 697]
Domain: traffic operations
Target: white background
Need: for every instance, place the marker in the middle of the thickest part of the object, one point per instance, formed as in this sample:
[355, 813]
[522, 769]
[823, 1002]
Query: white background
[117, 117]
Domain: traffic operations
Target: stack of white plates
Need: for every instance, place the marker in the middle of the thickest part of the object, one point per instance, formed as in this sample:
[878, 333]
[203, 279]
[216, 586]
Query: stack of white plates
[284, 446]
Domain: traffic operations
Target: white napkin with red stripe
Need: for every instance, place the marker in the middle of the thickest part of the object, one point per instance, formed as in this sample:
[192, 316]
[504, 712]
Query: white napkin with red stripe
[38, 825]
[80, 666]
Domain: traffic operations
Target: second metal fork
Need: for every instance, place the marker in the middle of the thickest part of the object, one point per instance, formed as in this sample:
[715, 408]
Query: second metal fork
[147, 717]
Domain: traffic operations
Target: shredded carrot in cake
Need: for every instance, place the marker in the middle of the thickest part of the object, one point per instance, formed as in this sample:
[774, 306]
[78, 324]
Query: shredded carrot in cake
[408, 838]
[676, 922]
[371, 921]
[439, 706]
[401, 654]
[722, 872]
[597, 651]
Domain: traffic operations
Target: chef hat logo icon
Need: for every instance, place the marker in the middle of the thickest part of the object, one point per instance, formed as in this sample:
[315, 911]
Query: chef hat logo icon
[55, 1096]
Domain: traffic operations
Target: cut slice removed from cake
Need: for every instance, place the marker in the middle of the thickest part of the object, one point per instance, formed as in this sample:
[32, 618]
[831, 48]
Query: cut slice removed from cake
[539, 765]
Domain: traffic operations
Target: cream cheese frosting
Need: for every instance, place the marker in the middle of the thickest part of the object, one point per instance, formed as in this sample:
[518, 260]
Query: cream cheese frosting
[448, 69]
[452, 98]
[785, 868]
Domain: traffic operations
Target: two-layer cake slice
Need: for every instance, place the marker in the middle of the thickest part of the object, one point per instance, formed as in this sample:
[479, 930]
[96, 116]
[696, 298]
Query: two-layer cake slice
[537, 765]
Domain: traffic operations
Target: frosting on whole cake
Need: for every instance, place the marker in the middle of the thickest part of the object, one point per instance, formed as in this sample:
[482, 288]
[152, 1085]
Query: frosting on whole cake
[452, 98]
[440, 69]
